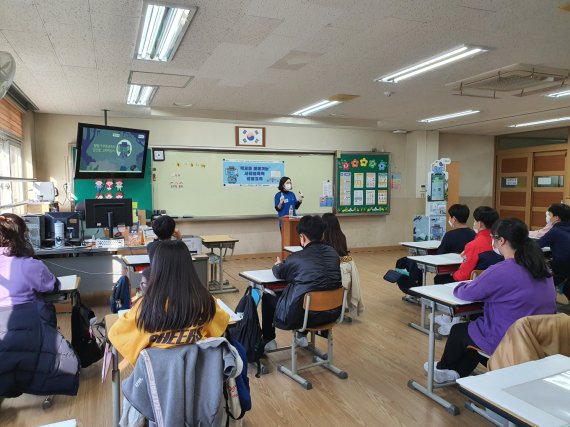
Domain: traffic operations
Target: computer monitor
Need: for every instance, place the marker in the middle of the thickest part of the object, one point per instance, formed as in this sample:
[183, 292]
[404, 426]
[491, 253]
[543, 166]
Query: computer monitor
[70, 224]
[108, 212]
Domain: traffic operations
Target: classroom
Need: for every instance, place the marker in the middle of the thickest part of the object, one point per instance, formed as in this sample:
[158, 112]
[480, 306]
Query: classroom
[251, 91]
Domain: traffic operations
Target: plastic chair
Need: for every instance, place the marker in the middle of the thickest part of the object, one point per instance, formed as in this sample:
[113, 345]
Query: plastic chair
[316, 302]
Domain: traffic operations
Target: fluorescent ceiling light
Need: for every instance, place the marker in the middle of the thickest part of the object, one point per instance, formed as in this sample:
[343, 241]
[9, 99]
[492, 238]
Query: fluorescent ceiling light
[559, 94]
[311, 109]
[162, 29]
[449, 116]
[461, 52]
[140, 95]
[540, 122]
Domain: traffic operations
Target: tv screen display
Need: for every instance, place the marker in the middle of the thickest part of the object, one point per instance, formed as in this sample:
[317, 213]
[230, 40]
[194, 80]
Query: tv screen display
[110, 152]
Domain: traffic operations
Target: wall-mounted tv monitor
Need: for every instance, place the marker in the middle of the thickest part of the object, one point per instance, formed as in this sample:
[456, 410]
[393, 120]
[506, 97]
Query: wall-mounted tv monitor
[108, 212]
[110, 152]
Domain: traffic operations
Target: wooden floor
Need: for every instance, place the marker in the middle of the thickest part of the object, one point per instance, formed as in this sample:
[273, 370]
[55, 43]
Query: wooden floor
[378, 350]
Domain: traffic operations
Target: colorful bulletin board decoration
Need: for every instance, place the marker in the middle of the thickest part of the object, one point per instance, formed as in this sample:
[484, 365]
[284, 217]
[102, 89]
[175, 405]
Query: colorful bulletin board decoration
[362, 183]
[252, 173]
[250, 136]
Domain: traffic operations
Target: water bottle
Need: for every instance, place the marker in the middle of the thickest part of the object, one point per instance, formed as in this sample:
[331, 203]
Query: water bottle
[58, 235]
[291, 211]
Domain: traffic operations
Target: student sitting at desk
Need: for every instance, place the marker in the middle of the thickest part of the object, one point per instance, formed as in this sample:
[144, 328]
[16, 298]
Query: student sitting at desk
[517, 287]
[315, 268]
[165, 229]
[334, 236]
[550, 221]
[453, 241]
[36, 358]
[176, 308]
[558, 240]
[483, 219]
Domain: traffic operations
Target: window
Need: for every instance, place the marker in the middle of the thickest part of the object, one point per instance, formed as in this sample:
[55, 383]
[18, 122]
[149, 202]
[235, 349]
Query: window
[12, 194]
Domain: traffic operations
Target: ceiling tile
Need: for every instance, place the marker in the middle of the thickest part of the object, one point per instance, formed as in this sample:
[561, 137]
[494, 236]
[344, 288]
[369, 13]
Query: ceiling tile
[119, 8]
[251, 30]
[19, 15]
[114, 37]
[35, 50]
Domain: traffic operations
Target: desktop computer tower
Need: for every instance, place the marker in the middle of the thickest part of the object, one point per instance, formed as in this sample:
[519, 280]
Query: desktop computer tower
[36, 229]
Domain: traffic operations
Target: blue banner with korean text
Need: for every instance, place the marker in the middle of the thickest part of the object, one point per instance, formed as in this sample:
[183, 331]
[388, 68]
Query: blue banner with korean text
[252, 173]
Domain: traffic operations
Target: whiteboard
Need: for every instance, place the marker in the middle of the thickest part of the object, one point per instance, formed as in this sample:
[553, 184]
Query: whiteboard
[189, 183]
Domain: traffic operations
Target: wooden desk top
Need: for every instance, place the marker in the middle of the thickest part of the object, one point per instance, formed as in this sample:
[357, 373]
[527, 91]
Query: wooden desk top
[220, 238]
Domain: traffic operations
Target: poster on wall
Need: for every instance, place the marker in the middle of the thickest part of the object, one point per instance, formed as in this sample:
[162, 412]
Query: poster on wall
[252, 173]
[362, 183]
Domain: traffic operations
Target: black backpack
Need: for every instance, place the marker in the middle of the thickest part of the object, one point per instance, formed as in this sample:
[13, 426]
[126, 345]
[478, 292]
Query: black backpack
[247, 331]
[88, 347]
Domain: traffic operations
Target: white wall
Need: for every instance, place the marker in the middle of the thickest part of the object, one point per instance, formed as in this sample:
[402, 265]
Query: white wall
[54, 134]
[476, 155]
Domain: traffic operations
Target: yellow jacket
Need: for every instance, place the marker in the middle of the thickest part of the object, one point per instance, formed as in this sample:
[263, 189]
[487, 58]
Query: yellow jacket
[129, 340]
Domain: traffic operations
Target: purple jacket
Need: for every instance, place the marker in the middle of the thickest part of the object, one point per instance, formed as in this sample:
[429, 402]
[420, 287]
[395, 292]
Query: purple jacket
[21, 278]
[509, 292]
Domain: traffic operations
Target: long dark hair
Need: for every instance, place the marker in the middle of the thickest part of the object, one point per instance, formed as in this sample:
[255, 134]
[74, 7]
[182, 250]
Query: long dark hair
[333, 235]
[175, 298]
[527, 252]
[14, 236]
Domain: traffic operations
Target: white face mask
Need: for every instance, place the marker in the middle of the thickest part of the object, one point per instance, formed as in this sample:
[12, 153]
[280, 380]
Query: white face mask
[288, 187]
[450, 223]
[475, 229]
[548, 218]
[497, 251]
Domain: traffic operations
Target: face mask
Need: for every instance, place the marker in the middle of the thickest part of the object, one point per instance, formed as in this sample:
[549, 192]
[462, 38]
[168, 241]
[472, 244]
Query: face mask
[450, 223]
[497, 251]
[288, 187]
[476, 230]
[548, 219]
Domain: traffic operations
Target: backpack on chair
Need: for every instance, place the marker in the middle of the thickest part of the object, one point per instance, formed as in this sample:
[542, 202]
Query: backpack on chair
[247, 331]
[88, 347]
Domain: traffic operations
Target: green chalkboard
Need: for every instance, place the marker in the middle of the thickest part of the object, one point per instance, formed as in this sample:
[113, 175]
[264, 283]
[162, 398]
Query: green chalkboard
[362, 183]
[137, 189]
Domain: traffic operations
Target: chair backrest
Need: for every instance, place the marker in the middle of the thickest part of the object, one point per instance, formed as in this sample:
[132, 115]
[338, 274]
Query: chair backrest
[476, 273]
[323, 300]
[316, 301]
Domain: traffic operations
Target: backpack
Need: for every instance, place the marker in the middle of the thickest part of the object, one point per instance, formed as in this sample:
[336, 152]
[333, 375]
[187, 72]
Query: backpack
[121, 295]
[414, 279]
[240, 385]
[88, 347]
[247, 331]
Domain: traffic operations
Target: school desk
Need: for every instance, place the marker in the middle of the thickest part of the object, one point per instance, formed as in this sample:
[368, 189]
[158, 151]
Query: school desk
[68, 290]
[137, 263]
[530, 394]
[429, 247]
[440, 298]
[292, 249]
[436, 264]
[217, 285]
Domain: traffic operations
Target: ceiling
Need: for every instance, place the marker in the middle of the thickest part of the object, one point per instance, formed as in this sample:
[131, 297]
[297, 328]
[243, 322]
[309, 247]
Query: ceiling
[260, 60]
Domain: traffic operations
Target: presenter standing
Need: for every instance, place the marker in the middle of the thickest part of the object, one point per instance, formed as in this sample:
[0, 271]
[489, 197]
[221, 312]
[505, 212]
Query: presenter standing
[286, 203]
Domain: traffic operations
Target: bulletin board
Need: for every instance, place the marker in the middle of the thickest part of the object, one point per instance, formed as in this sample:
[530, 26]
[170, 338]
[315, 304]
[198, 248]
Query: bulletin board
[362, 183]
[219, 184]
[137, 189]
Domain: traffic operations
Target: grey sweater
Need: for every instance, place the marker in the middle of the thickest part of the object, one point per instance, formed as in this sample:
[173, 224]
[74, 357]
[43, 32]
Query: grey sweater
[181, 385]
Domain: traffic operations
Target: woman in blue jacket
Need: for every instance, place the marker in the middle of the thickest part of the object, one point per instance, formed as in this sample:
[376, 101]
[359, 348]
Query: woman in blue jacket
[286, 203]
